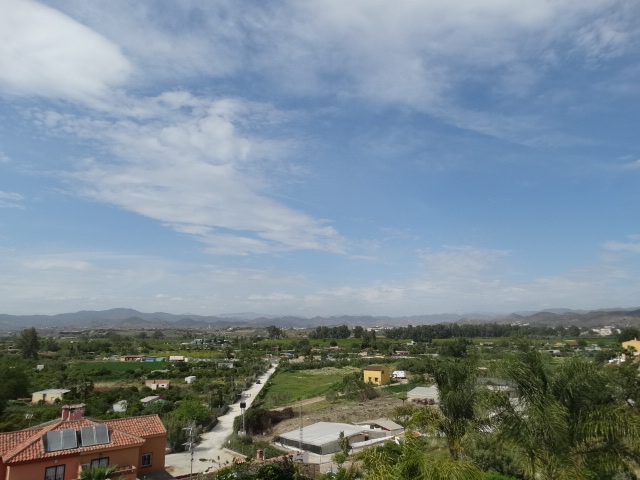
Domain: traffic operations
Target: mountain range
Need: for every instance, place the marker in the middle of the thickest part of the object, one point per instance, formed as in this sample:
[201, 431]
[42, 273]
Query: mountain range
[127, 318]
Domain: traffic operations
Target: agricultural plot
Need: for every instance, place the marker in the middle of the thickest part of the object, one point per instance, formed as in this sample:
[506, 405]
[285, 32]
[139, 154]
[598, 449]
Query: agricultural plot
[287, 387]
[117, 370]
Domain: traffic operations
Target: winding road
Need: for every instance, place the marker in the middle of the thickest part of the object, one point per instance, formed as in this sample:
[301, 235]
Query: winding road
[210, 453]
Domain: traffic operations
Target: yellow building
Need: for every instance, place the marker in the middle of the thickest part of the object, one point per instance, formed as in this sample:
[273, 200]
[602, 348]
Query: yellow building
[50, 396]
[632, 343]
[377, 374]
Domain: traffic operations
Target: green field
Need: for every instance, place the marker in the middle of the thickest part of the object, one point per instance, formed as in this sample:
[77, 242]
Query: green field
[289, 387]
[119, 367]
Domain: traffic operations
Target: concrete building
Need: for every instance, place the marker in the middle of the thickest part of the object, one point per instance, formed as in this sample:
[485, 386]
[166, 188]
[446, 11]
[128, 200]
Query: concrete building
[383, 424]
[377, 374]
[190, 379]
[156, 384]
[322, 437]
[146, 401]
[424, 395]
[61, 449]
[121, 406]
[52, 395]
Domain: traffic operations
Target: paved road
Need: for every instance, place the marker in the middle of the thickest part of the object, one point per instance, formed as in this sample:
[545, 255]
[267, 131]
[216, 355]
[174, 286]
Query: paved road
[211, 447]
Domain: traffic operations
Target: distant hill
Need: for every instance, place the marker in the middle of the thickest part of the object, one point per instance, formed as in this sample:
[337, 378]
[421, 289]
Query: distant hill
[127, 318]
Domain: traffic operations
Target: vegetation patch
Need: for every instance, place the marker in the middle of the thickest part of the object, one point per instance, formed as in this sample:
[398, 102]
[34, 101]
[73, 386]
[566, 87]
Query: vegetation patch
[287, 387]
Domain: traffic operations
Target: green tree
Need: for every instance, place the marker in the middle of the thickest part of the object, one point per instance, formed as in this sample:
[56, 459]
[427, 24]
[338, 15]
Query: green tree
[14, 384]
[157, 334]
[98, 473]
[568, 422]
[456, 380]
[415, 462]
[28, 343]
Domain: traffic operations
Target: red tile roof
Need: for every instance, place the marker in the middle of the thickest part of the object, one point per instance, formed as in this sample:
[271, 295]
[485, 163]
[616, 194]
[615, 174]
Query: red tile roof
[27, 445]
[377, 368]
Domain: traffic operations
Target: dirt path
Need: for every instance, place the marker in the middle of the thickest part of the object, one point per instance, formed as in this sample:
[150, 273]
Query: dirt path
[301, 403]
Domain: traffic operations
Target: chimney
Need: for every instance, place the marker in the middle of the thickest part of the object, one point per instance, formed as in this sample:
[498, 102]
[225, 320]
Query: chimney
[71, 413]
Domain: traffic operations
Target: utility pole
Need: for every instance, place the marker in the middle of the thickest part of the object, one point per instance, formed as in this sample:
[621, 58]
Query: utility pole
[243, 407]
[300, 446]
[191, 431]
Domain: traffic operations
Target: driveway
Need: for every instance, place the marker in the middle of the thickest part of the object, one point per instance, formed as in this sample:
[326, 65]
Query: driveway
[210, 452]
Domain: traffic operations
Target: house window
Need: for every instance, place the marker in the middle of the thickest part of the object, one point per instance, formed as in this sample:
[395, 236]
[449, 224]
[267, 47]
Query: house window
[146, 460]
[54, 473]
[100, 462]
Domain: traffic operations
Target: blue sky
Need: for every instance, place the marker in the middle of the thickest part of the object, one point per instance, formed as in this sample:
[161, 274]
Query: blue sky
[319, 157]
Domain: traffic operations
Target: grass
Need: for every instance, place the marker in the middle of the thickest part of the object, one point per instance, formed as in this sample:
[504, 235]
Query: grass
[247, 447]
[120, 367]
[289, 387]
[400, 387]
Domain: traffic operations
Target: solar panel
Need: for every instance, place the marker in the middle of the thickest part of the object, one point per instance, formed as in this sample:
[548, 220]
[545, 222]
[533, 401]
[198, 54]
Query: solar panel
[61, 439]
[87, 436]
[54, 441]
[69, 438]
[97, 435]
[102, 434]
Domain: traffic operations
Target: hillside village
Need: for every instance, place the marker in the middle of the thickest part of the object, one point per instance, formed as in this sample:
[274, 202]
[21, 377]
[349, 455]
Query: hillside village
[328, 402]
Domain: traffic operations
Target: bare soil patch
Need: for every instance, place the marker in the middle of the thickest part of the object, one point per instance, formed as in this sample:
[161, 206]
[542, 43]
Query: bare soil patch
[343, 411]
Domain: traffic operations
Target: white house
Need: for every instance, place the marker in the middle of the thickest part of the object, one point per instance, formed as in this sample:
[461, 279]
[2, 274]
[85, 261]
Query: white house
[190, 379]
[156, 384]
[121, 406]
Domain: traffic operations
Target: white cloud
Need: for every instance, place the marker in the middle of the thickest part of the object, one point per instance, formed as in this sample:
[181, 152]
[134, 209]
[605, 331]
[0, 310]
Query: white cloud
[4, 158]
[459, 261]
[57, 262]
[196, 165]
[629, 247]
[46, 53]
[11, 200]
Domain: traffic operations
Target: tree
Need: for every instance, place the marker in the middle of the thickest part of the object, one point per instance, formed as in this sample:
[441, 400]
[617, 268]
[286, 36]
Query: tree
[98, 473]
[345, 448]
[457, 390]
[357, 331]
[567, 422]
[14, 384]
[627, 334]
[157, 334]
[275, 333]
[28, 343]
[414, 462]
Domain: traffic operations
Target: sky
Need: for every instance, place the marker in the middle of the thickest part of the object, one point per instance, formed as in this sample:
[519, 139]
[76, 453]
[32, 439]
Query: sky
[320, 157]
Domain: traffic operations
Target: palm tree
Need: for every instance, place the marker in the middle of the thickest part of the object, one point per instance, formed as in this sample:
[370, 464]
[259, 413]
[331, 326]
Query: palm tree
[413, 461]
[454, 420]
[566, 423]
[98, 473]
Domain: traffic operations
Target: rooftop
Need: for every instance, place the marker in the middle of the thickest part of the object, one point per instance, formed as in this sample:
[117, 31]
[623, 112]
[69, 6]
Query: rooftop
[34, 443]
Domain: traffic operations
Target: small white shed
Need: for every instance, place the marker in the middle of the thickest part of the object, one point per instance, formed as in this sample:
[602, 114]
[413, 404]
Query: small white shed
[190, 379]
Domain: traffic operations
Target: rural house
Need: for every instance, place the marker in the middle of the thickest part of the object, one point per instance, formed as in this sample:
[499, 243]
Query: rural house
[377, 374]
[61, 449]
[51, 395]
[156, 384]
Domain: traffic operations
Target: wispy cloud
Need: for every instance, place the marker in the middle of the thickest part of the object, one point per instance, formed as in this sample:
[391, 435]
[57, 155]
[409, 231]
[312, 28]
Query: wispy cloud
[11, 200]
[199, 166]
[416, 55]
